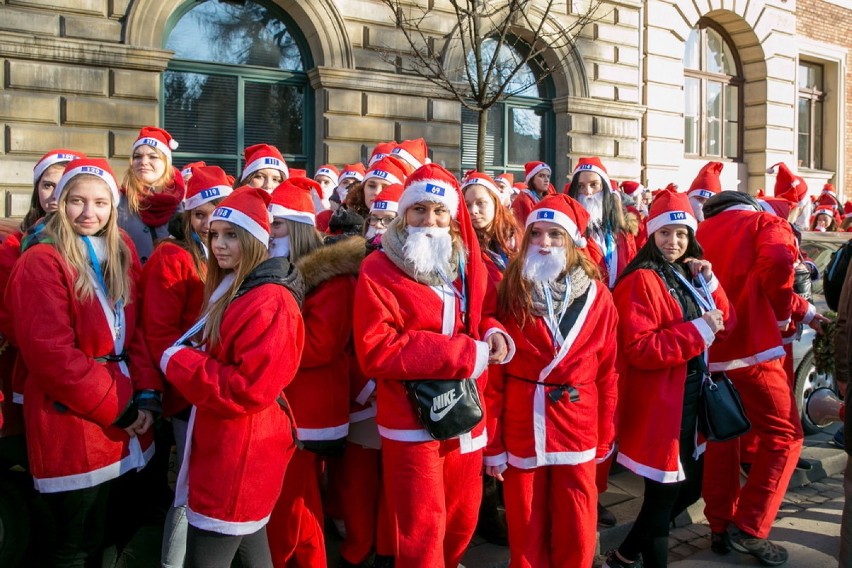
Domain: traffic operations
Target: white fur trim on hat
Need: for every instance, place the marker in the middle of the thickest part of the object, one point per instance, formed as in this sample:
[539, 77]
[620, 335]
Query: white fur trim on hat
[671, 218]
[535, 170]
[705, 193]
[432, 190]
[158, 144]
[607, 184]
[237, 217]
[383, 175]
[484, 183]
[352, 174]
[407, 156]
[281, 212]
[389, 206]
[263, 163]
[53, 159]
[561, 219]
[329, 173]
[91, 170]
[207, 195]
[375, 158]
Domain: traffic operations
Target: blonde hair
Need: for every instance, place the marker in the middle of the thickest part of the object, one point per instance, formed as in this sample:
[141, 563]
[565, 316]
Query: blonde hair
[304, 239]
[514, 296]
[136, 190]
[67, 242]
[253, 253]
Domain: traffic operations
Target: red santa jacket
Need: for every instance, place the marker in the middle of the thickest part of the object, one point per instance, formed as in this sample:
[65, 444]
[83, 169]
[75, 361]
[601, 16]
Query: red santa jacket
[12, 372]
[526, 200]
[625, 251]
[319, 394]
[526, 427]
[399, 331]
[655, 344]
[72, 400]
[752, 254]
[172, 295]
[239, 432]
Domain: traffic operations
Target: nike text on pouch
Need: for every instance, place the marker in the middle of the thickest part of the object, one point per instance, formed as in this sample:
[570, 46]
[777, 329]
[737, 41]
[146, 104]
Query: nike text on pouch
[442, 404]
[435, 189]
[208, 193]
[677, 216]
[222, 212]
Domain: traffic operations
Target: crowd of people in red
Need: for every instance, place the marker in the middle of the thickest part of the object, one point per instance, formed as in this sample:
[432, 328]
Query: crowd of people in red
[377, 344]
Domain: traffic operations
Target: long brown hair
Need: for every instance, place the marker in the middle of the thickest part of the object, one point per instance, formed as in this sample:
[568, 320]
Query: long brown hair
[514, 296]
[36, 212]
[136, 190]
[253, 253]
[500, 235]
[304, 239]
[67, 242]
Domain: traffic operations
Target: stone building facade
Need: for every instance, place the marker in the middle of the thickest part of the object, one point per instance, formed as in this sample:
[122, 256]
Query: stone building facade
[86, 74]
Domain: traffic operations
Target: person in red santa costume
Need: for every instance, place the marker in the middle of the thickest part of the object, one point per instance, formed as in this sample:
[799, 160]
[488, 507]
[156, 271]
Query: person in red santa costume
[551, 409]
[759, 283]
[240, 429]
[674, 310]
[706, 184]
[425, 293]
[264, 167]
[91, 392]
[846, 225]
[151, 191]
[635, 211]
[172, 292]
[537, 180]
[319, 394]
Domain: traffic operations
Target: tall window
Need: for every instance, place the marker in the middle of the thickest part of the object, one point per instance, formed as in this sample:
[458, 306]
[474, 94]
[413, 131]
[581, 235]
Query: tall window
[519, 129]
[811, 100]
[712, 95]
[237, 79]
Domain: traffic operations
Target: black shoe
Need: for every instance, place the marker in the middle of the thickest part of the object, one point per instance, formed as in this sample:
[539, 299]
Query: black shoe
[719, 543]
[381, 561]
[804, 465]
[613, 561]
[605, 517]
[766, 551]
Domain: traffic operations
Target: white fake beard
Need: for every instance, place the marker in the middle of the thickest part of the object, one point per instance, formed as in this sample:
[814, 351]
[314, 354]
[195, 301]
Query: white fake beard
[342, 192]
[374, 231]
[279, 246]
[593, 204]
[544, 267]
[428, 249]
[697, 208]
[806, 208]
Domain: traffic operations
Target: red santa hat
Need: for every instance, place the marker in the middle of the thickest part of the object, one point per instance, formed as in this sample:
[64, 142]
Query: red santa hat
[261, 157]
[292, 200]
[156, 138]
[787, 185]
[592, 164]
[828, 200]
[824, 211]
[330, 172]
[847, 209]
[632, 188]
[56, 156]
[381, 150]
[92, 166]
[474, 177]
[354, 171]
[387, 169]
[707, 183]
[670, 208]
[829, 189]
[414, 152]
[246, 207]
[186, 171]
[565, 212]
[432, 183]
[507, 178]
[388, 199]
[298, 173]
[206, 184]
[532, 168]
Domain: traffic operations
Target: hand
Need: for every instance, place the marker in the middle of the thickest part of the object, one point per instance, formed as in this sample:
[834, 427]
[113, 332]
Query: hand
[496, 471]
[696, 265]
[143, 422]
[715, 320]
[816, 323]
[497, 348]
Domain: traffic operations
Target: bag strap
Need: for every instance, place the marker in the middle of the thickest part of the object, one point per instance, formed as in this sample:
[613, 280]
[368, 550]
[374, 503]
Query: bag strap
[570, 318]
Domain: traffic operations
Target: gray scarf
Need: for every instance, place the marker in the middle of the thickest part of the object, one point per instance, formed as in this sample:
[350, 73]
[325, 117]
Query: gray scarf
[560, 293]
[392, 242]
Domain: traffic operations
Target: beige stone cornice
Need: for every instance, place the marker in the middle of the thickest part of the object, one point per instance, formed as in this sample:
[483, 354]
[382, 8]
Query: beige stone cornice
[599, 107]
[82, 52]
[374, 81]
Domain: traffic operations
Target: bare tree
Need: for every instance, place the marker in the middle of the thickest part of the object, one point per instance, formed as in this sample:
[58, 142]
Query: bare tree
[501, 41]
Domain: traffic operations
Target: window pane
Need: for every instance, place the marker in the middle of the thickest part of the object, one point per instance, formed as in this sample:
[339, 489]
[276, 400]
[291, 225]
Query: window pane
[523, 83]
[690, 54]
[526, 142]
[235, 33]
[732, 102]
[692, 102]
[732, 111]
[817, 135]
[714, 57]
[810, 76]
[805, 132]
[200, 112]
[274, 114]
[493, 137]
[713, 125]
[732, 139]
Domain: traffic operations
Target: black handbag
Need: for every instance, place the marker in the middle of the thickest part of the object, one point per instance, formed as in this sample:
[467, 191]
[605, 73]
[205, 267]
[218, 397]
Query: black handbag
[446, 407]
[721, 415]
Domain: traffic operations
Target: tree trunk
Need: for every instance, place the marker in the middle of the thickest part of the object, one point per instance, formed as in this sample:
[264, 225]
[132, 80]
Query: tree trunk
[480, 140]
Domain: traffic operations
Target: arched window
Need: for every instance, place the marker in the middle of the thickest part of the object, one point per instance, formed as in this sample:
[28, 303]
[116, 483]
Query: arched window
[520, 128]
[237, 79]
[712, 95]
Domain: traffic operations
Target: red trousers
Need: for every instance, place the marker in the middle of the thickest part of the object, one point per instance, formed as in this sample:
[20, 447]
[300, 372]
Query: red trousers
[295, 529]
[602, 474]
[362, 504]
[552, 515]
[433, 493]
[748, 443]
[771, 408]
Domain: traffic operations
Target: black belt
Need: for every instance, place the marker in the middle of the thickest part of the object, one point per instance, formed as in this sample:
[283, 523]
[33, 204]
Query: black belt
[557, 390]
[123, 356]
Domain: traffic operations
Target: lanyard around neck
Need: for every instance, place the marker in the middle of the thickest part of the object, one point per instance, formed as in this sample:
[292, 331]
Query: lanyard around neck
[462, 296]
[705, 300]
[551, 315]
[118, 310]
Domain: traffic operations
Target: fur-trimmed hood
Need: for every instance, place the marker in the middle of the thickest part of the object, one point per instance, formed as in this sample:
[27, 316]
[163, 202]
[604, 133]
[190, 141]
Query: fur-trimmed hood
[342, 258]
[632, 221]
